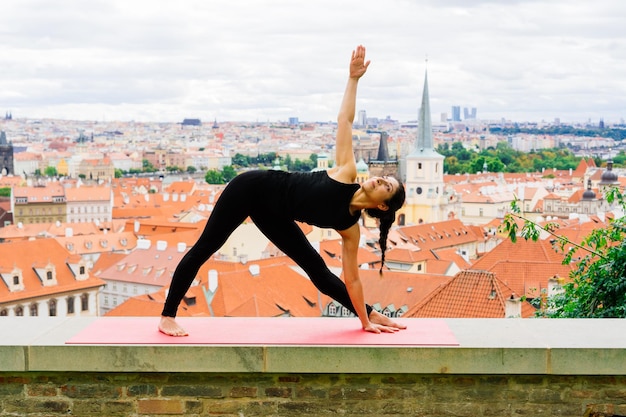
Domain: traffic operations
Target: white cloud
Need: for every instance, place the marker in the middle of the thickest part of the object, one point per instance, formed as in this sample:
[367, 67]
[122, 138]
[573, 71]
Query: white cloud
[269, 60]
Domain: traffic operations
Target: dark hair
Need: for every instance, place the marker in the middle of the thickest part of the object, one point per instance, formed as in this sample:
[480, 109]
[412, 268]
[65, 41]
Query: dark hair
[386, 218]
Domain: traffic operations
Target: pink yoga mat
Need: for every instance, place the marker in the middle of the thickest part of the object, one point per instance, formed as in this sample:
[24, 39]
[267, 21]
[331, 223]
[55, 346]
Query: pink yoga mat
[262, 331]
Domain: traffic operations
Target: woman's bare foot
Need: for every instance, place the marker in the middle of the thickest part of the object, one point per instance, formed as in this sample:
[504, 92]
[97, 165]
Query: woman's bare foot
[377, 318]
[169, 327]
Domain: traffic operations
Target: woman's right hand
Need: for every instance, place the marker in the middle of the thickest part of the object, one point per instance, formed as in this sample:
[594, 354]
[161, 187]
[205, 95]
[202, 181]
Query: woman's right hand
[379, 328]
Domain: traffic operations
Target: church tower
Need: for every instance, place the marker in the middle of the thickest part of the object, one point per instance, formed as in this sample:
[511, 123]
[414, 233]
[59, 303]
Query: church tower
[6, 155]
[425, 200]
[383, 165]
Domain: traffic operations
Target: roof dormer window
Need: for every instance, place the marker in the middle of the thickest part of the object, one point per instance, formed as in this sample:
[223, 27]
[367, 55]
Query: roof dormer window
[47, 275]
[13, 279]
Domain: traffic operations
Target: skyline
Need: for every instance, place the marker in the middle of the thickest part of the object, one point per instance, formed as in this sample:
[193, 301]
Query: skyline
[272, 60]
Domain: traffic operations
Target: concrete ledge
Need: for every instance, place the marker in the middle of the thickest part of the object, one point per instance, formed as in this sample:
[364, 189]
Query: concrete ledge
[487, 347]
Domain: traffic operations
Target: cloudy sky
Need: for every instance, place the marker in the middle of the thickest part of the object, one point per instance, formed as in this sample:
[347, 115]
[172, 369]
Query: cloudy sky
[255, 60]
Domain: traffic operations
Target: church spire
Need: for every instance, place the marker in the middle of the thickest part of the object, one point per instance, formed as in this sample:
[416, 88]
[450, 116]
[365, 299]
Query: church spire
[424, 128]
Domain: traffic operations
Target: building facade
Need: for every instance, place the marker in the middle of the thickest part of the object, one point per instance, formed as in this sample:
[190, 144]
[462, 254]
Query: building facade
[42, 203]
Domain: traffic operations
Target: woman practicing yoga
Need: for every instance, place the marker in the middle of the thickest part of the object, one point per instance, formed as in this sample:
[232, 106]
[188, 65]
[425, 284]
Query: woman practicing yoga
[274, 200]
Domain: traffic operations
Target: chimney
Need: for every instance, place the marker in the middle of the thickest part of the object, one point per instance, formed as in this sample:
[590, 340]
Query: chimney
[181, 247]
[555, 285]
[255, 270]
[212, 280]
[161, 245]
[513, 307]
[143, 244]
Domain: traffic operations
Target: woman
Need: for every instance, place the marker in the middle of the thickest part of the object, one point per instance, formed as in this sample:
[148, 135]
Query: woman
[274, 200]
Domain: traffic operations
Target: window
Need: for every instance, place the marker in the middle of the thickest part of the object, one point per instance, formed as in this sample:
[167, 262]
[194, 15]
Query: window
[52, 308]
[19, 311]
[16, 280]
[4, 312]
[34, 310]
[84, 302]
[332, 309]
[49, 275]
[70, 305]
[480, 212]
[81, 270]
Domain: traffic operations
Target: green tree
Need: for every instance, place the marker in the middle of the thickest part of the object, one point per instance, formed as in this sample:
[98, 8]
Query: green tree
[620, 159]
[191, 169]
[5, 192]
[147, 166]
[228, 173]
[240, 160]
[118, 173]
[598, 283]
[288, 162]
[214, 176]
[50, 171]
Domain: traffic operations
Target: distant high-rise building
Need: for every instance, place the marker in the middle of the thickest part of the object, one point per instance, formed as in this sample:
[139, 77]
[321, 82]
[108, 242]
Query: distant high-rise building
[469, 114]
[192, 122]
[456, 113]
[293, 121]
[362, 119]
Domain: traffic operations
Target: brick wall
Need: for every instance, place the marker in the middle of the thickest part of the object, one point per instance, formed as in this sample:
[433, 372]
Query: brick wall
[265, 394]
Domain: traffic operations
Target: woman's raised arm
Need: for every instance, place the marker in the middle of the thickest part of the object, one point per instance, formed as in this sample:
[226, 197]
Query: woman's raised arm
[345, 165]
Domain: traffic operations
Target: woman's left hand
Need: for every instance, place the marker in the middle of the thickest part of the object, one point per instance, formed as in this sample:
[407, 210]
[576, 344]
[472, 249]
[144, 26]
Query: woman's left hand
[358, 65]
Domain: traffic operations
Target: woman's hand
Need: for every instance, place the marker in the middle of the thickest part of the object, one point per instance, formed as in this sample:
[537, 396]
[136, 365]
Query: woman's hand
[358, 65]
[380, 322]
[378, 328]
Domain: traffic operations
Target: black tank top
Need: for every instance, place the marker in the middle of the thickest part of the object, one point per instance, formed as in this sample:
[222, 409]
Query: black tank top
[310, 197]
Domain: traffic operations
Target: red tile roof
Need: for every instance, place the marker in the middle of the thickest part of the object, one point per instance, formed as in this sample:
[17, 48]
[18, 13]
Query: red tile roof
[524, 266]
[446, 234]
[28, 255]
[475, 294]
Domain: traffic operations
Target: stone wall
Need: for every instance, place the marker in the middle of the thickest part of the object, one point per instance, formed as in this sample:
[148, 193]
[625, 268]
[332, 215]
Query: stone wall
[259, 394]
[500, 367]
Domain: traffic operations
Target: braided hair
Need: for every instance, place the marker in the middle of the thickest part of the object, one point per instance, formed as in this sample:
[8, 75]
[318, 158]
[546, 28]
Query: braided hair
[386, 219]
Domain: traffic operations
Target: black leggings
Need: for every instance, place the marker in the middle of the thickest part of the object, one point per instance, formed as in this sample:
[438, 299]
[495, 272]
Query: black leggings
[231, 209]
